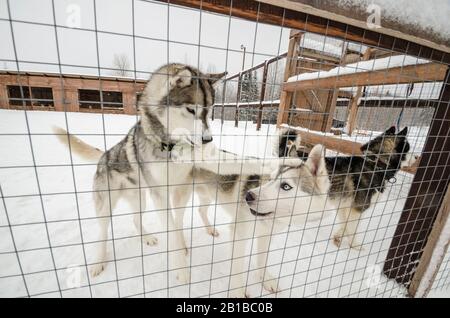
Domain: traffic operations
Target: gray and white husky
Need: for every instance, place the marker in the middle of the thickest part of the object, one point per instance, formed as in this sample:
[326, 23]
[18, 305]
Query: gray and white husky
[174, 105]
[236, 193]
[174, 110]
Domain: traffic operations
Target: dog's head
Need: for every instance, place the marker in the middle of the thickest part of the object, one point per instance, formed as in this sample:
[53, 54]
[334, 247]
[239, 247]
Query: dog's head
[390, 147]
[297, 188]
[185, 97]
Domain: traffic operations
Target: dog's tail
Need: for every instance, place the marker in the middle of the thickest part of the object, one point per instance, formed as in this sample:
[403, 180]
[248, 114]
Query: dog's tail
[77, 146]
[286, 139]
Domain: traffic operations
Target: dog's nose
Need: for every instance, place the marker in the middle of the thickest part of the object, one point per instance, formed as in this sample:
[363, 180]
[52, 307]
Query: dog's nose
[206, 140]
[250, 197]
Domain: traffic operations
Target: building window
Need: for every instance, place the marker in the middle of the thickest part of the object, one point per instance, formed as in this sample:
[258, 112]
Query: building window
[90, 99]
[30, 96]
[19, 95]
[42, 96]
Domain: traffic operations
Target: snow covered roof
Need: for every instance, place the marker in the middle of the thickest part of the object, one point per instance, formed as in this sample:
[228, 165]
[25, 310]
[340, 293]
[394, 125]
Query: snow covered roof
[426, 91]
[425, 23]
[361, 66]
[326, 45]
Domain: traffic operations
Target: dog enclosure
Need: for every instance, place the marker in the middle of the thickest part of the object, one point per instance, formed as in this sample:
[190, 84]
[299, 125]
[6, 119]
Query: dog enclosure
[332, 79]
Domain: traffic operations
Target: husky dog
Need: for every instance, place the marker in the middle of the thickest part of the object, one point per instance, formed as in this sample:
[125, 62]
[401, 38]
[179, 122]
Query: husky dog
[355, 181]
[174, 109]
[235, 192]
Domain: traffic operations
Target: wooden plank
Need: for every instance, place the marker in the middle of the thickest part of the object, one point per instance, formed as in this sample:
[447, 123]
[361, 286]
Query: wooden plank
[430, 247]
[331, 107]
[297, 18]
[396, 75]
[238, 98]
[291, 64]
[353, 113]
[262, 95]
[425, 196]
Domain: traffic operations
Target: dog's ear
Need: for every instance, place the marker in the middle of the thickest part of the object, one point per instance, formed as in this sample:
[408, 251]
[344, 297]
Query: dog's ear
[390, 131]
[316, 161]
[403, 132]
[292, 151]
[214, 78]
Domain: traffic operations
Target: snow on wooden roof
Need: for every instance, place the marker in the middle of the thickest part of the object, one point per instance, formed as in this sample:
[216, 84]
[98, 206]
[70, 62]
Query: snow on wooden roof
[361, 66]
[426, 91]
[424, 23]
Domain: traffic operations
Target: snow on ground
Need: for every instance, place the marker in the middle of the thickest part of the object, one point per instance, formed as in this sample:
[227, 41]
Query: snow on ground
[305, 259]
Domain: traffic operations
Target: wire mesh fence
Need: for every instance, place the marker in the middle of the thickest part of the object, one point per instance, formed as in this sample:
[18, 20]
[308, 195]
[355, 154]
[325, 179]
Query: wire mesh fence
[355, 223]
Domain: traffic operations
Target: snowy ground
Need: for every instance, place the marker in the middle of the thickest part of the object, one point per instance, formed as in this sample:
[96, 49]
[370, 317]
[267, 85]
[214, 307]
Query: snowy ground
[306, 261]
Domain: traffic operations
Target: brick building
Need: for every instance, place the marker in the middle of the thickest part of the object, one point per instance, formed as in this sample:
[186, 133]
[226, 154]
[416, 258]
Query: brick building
[66, 92]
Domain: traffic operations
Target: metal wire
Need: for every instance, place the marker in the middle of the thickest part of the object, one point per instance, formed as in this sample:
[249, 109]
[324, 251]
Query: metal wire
[312, 266]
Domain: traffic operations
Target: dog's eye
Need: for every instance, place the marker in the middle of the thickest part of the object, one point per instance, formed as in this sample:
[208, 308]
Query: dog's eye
[285, 186]
[190, 110]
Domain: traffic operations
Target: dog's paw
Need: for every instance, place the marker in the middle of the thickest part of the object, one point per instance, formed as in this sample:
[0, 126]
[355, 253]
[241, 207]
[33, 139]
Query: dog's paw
[97, 269]
[183, 276]
[238, 293]
[150, 240]
[212, 231]
[271, 284]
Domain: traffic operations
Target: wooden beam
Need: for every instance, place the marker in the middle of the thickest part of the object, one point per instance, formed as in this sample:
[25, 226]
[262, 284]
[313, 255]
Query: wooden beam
[428, 252]
[425, 196]
[298, 18]
[353, 113]
[396, 75]
[291, 63]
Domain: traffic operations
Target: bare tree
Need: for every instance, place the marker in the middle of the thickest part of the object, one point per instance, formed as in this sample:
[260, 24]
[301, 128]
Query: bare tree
[121, 64]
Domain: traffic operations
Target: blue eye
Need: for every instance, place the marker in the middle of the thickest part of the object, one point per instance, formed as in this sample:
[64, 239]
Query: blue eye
[285, 186]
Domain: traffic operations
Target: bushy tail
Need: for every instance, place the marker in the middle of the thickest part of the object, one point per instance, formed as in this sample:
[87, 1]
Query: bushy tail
[77, 146]
[286, 138]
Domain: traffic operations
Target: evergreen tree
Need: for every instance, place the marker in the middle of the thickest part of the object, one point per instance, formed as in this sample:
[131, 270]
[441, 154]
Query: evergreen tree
[249, 93]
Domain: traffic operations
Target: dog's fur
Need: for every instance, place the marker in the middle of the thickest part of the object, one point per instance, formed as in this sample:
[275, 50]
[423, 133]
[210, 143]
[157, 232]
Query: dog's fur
[174, 110]
[231, 192]
[355, 181]
[117, 176]
[175, 102]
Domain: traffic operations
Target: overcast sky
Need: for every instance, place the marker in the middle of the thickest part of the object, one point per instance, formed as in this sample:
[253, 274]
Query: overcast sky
[162, 34]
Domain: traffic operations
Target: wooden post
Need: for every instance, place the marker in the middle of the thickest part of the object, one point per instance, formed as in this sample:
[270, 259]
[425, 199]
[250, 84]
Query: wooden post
[238, 98]
[428, 252]
[331, 108]
[425, 197]
[291, 63]
[263, 94]
[354, 103]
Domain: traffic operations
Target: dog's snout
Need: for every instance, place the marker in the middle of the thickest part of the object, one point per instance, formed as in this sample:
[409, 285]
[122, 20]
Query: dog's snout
[206, 140]
[250, 197]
